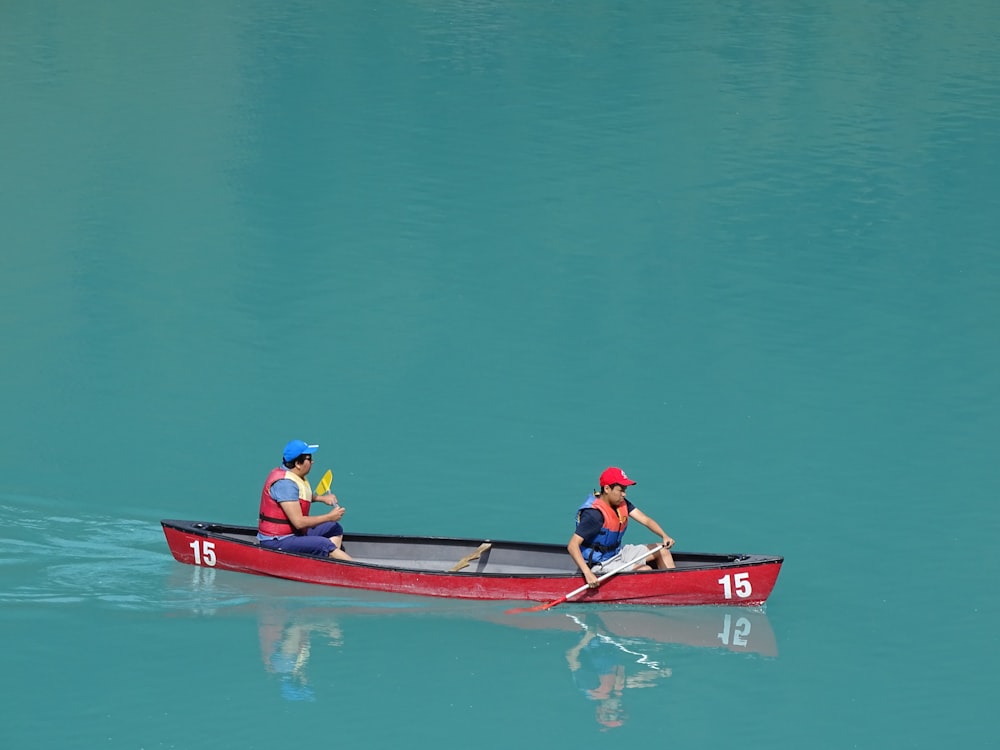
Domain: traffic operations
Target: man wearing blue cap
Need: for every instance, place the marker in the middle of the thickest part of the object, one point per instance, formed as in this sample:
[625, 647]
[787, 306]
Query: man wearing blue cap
[285, 523]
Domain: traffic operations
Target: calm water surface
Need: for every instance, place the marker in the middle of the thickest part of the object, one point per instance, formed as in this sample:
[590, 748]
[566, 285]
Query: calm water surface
[479, 251]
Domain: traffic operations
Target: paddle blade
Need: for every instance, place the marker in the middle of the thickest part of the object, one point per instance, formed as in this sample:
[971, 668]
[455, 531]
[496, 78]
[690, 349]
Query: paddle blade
[324, 484]
[520, 610]
[536, 608]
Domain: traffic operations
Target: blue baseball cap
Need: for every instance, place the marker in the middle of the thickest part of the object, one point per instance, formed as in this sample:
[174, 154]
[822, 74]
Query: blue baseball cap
[296, 448]
[290, 691]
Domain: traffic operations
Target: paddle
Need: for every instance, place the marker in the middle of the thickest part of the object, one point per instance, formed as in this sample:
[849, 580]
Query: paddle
[584, 587]
[464, 562]
[324, 484]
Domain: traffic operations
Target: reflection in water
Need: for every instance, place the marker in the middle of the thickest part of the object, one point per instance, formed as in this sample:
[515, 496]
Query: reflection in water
[613, 653]
[739, 629]
[608, 651]
[603, 669]
[285, 648]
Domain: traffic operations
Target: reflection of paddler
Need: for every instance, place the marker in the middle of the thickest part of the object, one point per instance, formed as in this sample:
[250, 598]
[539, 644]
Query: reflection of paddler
[285, 649]
[599, 672]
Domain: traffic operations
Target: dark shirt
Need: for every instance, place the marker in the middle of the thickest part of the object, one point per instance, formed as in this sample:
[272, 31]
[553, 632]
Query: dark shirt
[591, 521]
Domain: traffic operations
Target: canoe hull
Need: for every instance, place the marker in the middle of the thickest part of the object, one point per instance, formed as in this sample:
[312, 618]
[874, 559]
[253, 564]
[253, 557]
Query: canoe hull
[699, 580]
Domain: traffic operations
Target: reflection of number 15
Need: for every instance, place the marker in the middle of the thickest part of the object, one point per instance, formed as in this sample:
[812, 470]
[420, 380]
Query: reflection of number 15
[739, 633]
[740, 582]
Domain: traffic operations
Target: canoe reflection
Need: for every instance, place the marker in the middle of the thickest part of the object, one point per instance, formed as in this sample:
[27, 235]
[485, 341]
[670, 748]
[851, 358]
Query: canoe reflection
[609, 650]
[618, 647]
[733, 628]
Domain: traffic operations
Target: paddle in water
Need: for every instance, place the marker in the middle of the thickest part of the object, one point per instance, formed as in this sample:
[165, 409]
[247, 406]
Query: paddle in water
[584, 587]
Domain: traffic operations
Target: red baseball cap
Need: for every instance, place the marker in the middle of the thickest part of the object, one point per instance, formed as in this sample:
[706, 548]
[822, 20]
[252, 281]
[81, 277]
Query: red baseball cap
[614, 475]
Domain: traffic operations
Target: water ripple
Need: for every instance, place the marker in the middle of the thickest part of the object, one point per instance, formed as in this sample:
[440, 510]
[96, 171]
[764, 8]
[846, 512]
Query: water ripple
[66, 559]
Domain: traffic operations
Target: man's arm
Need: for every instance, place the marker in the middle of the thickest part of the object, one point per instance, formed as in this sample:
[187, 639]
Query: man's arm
[574, 551]
[286, 494]
[329, 498]
[299, 521]
[653, 526]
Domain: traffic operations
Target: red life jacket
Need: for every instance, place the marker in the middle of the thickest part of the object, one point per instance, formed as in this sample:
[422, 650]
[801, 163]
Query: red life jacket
[273, 521]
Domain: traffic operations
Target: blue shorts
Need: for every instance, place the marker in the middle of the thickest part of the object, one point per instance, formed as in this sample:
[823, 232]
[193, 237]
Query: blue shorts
[314, 541]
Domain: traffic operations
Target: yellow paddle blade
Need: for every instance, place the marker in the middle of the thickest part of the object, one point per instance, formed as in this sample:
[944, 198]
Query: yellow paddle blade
[324, 484]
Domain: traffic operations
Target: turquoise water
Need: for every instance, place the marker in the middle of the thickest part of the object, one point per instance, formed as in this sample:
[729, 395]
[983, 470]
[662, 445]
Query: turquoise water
[479, 251]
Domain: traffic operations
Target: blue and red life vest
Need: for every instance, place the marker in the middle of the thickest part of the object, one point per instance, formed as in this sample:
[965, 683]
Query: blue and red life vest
[609, 539]
[273, 521]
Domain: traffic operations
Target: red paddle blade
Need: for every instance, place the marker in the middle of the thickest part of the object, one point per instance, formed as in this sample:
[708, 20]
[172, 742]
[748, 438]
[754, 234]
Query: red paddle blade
[536, 608]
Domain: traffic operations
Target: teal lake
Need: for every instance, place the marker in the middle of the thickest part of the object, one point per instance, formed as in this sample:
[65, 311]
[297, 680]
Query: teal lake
[479, 250]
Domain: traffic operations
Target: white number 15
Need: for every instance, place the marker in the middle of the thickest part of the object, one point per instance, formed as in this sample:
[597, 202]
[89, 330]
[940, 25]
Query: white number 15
[204, 553]
[740, 582]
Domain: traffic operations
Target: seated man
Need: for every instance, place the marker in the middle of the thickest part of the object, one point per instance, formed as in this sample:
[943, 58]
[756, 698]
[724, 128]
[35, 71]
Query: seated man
[597, 547]
[285, 500]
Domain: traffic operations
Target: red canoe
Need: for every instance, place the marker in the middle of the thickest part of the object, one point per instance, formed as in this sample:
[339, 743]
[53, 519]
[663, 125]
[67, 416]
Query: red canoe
[476, 569]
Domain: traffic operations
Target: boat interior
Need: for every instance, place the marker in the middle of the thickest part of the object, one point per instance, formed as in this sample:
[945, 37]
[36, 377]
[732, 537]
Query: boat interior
[467, 556]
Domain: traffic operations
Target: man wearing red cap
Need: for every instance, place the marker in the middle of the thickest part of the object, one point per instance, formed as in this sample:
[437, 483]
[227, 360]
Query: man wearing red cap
[597, 547]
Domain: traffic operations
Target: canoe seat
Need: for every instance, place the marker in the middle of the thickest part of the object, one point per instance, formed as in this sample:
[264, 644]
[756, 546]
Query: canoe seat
[475, 555]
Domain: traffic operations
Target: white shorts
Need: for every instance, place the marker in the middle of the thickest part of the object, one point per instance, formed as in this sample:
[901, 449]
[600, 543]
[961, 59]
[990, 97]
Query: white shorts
[629, 553]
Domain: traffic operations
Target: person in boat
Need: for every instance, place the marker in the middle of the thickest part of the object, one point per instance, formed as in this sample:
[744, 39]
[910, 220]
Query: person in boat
[284, 520]
[596, 546]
